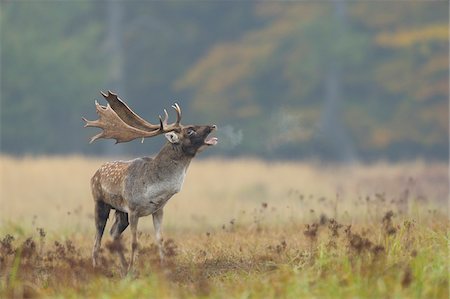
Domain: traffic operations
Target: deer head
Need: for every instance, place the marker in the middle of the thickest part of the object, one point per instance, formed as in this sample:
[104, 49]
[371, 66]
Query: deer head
[119, 122]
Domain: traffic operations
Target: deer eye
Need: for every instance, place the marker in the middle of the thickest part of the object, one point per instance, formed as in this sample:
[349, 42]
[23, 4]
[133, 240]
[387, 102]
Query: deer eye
[191, 132]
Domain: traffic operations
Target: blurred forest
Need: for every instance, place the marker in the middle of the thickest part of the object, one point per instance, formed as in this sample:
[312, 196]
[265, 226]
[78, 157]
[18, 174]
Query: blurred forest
[337, 80]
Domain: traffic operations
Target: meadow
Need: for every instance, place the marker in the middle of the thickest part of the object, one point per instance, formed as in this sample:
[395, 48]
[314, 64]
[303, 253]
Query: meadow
[239, 229]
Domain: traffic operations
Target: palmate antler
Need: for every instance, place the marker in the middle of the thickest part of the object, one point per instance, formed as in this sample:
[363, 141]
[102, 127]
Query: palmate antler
[119, 122]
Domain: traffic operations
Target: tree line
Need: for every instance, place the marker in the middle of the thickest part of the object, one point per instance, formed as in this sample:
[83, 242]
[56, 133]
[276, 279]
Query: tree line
[333, 80]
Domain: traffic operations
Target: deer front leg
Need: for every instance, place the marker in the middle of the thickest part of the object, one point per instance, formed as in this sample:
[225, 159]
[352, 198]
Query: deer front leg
[157, 223]
[133, 226]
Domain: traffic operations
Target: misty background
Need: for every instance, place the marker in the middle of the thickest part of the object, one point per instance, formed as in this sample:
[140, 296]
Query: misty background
[337, 80]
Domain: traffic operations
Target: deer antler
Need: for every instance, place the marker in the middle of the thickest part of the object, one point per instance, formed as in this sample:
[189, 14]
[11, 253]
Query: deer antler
[126, 114]
[119, 122]
[176, 124]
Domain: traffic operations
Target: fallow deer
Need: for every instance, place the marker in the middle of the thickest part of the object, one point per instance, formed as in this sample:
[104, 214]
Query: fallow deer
[142, 186]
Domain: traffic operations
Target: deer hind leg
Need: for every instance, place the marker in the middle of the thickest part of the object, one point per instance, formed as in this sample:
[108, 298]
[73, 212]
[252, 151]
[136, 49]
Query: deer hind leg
[133, 226]
[101, 216]
[157, 224]
[120, 224]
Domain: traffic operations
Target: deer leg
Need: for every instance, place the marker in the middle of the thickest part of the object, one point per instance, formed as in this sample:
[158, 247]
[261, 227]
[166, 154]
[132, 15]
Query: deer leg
[157, 223]
[101, 216]
[133, 226]
[120, 224]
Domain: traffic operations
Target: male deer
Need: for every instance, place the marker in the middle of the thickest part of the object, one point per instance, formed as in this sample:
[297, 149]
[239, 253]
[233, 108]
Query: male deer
[142, 186]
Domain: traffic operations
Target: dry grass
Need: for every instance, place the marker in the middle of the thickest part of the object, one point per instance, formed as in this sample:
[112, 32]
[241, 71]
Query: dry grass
[54, 192]
[239, 228]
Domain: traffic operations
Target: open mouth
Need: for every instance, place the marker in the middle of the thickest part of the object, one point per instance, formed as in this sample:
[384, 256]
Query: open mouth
[212, 140]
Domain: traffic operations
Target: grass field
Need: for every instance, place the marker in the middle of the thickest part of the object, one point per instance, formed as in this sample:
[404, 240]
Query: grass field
[239, 229]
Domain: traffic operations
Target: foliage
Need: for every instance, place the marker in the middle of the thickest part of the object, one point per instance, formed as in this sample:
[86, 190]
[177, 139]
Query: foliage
[369, 78]
[49, 63]
[393, 73]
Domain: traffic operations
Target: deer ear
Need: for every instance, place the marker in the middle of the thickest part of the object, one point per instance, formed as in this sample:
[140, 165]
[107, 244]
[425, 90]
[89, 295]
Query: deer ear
[172, 137]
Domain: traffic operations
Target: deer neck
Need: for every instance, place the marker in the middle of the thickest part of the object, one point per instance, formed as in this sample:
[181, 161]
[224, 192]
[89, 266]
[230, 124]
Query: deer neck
[172, 158]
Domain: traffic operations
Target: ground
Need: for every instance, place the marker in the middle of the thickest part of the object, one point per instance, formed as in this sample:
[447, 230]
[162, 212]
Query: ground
[238, 229]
